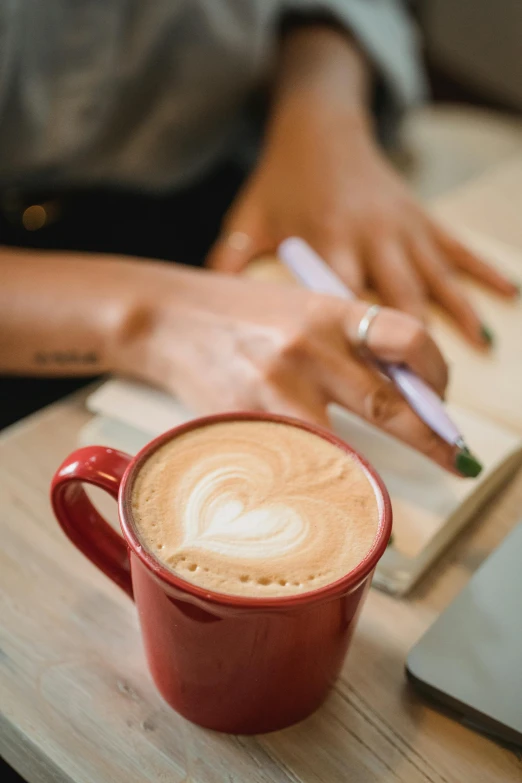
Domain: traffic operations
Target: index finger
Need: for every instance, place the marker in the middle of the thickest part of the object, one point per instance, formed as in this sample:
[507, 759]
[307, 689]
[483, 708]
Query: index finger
[395, 336]
[376, 400]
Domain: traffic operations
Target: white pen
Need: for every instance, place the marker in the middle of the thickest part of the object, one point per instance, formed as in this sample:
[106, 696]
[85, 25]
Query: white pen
[310, 269]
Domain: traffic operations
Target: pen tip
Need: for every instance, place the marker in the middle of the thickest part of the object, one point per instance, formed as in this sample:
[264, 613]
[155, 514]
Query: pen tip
[467, 464]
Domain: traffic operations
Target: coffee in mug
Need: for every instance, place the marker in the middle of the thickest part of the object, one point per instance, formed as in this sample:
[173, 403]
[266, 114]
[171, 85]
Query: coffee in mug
[255, 508]
[248, 544]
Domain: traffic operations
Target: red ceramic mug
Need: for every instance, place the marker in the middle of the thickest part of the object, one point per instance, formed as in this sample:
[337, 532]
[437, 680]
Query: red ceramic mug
[231, 663]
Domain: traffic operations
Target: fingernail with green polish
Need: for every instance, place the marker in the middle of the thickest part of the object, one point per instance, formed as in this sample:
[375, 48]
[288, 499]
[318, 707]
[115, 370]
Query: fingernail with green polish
[487, 335]
[466, 464]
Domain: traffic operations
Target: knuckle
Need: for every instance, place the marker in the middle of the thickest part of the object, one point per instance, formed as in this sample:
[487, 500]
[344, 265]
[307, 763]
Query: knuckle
[381, 404]
[417, 338]
[289, 348]
[430, 443]
[272, 370]
[383, 223]
[294, 342]
[326, 314]
[327, 226]
[245, 396]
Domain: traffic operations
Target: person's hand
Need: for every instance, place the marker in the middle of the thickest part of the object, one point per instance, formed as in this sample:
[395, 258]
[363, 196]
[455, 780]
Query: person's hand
[322, 177]
[222, 343]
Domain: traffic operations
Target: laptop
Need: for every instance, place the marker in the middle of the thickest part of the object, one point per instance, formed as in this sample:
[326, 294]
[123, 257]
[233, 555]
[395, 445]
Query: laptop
[470, 660]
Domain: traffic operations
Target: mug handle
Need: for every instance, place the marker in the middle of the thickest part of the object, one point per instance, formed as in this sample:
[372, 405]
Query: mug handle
[81, 522]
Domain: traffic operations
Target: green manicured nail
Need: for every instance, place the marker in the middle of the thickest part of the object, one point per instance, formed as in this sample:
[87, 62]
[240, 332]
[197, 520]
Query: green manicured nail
[487, 335]
[390, 541]
[466, 464]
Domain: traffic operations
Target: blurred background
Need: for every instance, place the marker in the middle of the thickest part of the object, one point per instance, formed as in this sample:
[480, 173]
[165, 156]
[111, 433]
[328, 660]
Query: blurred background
[473, 58]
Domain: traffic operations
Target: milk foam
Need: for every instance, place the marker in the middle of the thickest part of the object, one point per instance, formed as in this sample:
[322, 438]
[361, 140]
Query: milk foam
[219, 520]
[255, 508]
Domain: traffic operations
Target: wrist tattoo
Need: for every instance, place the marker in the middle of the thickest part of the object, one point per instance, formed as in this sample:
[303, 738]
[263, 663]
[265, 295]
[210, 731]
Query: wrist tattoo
[66, 358]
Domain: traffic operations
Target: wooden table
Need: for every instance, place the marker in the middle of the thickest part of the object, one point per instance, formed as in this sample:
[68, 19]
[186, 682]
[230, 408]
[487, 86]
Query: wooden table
[77, 703]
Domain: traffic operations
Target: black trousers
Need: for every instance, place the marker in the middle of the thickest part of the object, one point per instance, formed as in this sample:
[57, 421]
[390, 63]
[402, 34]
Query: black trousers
[177, 227]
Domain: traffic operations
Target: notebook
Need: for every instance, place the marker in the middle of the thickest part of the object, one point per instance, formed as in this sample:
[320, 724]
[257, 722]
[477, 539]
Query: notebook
[430, 506]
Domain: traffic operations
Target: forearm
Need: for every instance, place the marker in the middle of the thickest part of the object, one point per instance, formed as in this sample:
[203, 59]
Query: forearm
[323, 65]
[61, 314]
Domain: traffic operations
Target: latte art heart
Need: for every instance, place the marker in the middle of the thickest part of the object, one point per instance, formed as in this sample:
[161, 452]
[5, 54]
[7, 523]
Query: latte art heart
[255, 508]
[215, 519]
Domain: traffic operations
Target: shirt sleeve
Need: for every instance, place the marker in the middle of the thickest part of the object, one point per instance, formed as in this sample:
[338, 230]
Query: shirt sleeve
[388, 37]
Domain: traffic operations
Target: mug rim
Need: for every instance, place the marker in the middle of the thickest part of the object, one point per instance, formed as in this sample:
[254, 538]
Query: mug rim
[345, 584]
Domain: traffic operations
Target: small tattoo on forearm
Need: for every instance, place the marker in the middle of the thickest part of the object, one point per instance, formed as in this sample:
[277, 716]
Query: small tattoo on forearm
[64, 358]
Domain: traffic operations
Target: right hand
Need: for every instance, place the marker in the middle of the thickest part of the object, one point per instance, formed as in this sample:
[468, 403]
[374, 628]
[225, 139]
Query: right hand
[221, 343]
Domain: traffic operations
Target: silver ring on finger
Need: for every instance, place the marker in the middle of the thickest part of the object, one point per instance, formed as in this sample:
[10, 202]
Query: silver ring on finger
[364, 327]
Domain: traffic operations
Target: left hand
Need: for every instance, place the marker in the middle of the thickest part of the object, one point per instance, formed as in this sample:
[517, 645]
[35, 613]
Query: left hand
[322, 177]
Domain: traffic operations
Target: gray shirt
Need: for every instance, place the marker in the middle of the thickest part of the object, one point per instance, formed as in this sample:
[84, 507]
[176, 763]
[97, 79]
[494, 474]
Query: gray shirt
[147, 93]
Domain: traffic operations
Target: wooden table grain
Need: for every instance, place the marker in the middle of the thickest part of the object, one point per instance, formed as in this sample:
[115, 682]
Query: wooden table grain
[77, 704]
